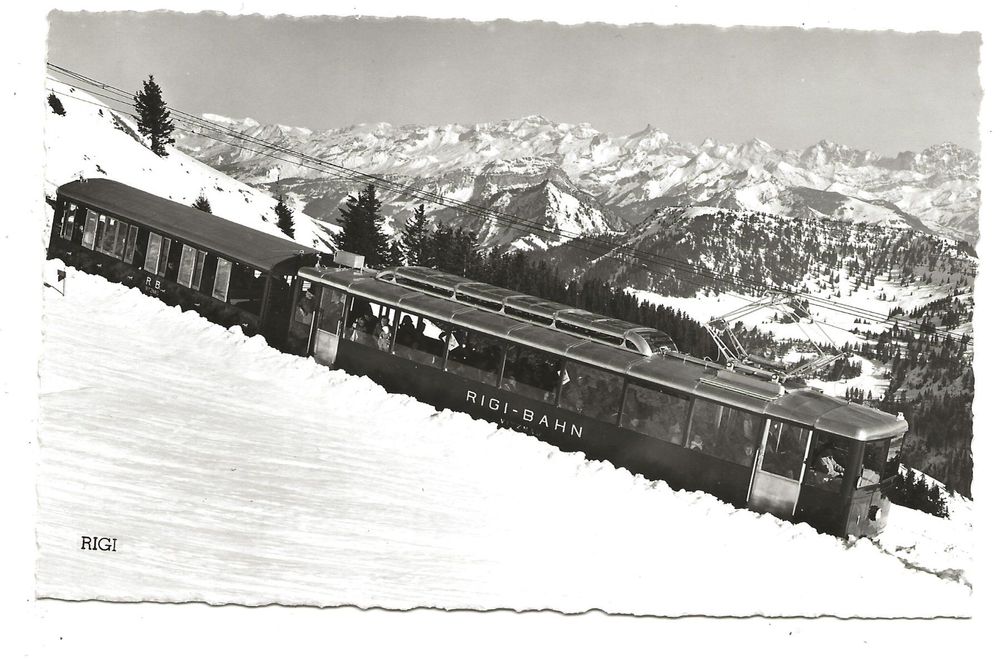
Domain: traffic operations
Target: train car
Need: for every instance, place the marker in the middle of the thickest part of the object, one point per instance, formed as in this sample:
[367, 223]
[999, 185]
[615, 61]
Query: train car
[613, 390]
[229, 273]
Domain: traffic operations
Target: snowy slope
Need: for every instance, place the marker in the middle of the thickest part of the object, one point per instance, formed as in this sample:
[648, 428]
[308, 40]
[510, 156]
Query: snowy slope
[232, 473]
[91, 141]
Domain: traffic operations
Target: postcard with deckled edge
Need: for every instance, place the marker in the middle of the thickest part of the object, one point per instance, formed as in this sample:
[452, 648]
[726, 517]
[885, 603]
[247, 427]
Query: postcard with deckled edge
[646, 319]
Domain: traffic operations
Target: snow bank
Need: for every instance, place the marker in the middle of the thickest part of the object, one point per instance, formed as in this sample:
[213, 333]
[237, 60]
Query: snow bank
[230, 472]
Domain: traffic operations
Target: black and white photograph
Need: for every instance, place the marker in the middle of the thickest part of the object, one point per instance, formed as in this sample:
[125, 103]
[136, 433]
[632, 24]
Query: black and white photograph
[508, 317]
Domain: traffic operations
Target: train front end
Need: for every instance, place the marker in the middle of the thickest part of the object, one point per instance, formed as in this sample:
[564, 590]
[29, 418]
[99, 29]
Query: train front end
[876, 475]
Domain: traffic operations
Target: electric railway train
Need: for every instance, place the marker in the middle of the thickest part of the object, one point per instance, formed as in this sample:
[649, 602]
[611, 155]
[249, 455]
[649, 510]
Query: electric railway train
[612, 389]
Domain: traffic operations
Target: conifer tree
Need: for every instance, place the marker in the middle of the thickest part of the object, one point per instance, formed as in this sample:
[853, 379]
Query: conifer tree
[202, 203]
[416, 239]
[361, 233]
[153, 117]
[285, 222]
[397, 256]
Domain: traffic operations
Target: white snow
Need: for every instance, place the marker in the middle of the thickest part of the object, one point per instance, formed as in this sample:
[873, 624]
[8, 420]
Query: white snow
[230, 472]
[85, 143]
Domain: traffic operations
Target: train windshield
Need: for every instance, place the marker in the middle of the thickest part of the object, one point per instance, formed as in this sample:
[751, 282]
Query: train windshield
[658, 341]
[873, 463]
[894, 457]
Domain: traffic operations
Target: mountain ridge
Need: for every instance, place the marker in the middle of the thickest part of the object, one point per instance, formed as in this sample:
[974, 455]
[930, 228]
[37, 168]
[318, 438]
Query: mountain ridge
[935, 189]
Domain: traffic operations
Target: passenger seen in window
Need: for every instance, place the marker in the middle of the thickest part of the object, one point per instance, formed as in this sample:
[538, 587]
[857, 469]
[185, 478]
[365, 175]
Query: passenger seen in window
[827, 461]
[383, 335]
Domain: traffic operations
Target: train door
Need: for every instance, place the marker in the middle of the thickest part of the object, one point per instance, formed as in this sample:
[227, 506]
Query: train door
[275, 306]
[329, 325]
[779, 469]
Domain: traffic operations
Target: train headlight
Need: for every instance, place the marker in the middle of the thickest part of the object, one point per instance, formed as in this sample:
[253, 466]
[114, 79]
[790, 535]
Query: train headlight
[874, 513]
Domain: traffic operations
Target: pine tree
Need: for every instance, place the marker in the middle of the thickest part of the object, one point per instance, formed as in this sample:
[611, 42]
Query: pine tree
[153, 117]
[285, 222]
[56, 104]
[361, 232]
[397, 256]
[416, 239]
[202, 203]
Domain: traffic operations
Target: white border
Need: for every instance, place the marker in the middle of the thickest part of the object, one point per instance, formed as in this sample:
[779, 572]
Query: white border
[52, 629]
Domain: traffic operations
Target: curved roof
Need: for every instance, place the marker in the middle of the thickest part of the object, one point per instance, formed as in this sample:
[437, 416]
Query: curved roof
[675, 372]
[207, 231]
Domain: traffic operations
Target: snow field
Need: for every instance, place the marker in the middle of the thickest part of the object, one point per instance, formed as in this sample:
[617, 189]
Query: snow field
[230, 472]
[86, 144]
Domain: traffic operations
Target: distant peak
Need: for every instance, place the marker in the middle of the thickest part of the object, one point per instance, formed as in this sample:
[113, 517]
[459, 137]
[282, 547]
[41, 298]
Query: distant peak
[222, 119]
[535, 118]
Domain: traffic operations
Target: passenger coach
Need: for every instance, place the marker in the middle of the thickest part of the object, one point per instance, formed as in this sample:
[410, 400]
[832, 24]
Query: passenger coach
[608, 388]
[230, 273]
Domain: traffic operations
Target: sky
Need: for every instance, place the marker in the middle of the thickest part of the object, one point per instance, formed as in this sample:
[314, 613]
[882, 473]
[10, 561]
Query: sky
[879, 90]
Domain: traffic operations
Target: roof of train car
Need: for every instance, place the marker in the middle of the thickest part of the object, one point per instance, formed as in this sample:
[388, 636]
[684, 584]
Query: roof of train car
[803, 406]
[217, 234]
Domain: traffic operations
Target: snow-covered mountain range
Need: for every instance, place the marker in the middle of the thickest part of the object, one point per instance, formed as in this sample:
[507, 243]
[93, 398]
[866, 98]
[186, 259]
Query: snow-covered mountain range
[533, 167]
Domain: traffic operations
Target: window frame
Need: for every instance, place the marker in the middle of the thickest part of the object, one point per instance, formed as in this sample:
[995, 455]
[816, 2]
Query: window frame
[68, 220]
[845, 445]
[121, 238]
[151, 254]
[165, 246]
[89, 227]
[130, 242]
[465, 369]
[685, 423]
[619, 401]
[437, 361]
[188, 256]
[218, 271]
[799, 471]
[518, 385]
[861, 482]
[199, 269]
[720, 447]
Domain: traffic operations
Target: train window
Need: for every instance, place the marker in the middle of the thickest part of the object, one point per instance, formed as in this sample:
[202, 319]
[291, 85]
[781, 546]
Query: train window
[199, 266]
[827, 462]
[331, 308]
[726, 433]
[186, 272]
[246, 287]
[591, 391]
[420, 339]
[90, 229]
[873, 463]
[220, 289]
[531, 373]
[474, 355]
[118, 250]
[785, 449]
[894, 457]
[655, 413]
[208, 275]
[133, 233]
[106, 239]
[370, 323]
[102, 221]
[69, 214]
[152, 252]
[107, 245]
[161, 267]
